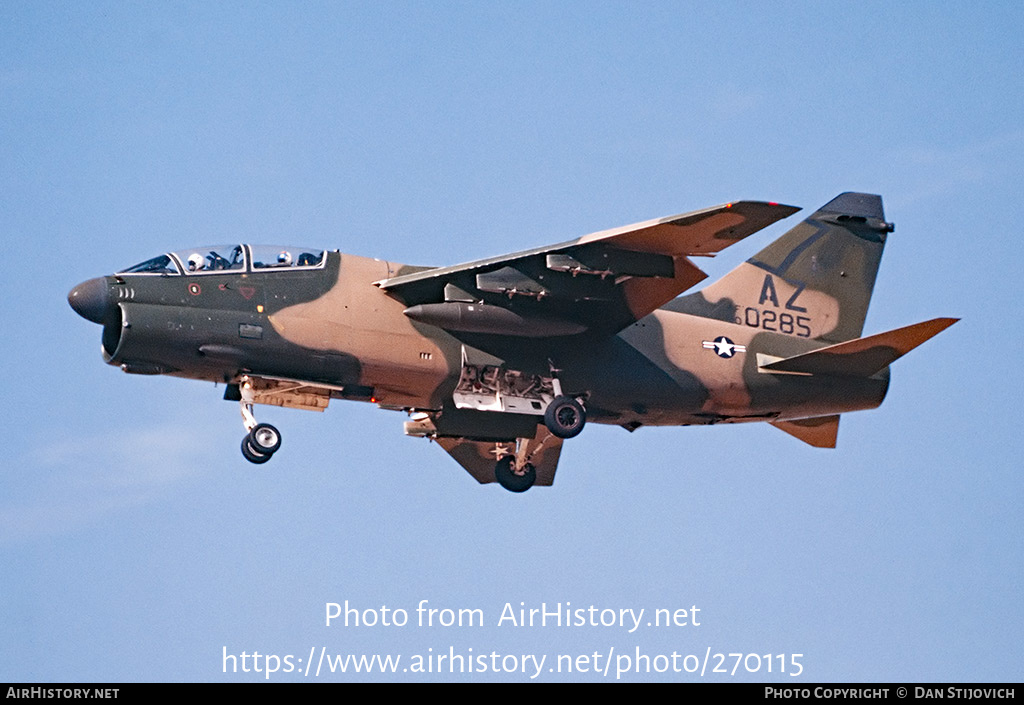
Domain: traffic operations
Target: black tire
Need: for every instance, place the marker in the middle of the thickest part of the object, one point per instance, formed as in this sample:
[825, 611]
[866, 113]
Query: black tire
[508, 479]
[264, 439]
[253, 456]
[565, 417]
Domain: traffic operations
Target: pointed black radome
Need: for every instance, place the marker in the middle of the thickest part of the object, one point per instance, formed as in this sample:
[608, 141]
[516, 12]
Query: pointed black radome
[91, 299]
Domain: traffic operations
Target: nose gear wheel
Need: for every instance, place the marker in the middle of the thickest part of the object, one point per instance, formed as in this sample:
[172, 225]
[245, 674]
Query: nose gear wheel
[262, 439]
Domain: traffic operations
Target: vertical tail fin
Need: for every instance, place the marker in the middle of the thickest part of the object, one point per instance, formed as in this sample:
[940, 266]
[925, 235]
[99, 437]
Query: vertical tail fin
[813, 282]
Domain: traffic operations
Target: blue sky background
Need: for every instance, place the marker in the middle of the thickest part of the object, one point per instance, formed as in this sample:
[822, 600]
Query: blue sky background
[135, 541]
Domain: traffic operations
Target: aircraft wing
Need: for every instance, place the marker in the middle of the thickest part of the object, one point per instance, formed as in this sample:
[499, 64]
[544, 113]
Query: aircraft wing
[603, 281]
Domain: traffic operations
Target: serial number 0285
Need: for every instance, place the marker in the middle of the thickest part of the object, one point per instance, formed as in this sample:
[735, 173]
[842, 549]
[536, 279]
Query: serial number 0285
[775, 321]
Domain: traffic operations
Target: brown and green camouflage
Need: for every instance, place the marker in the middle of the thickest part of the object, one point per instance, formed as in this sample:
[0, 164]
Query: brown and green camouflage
[502, 360]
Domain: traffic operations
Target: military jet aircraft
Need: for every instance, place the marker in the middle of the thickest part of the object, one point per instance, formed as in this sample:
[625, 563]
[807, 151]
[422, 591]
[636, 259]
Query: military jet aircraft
[501, 360]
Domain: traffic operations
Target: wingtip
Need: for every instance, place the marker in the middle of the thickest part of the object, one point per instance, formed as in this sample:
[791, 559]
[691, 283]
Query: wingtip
[770, 204]
[943, 323]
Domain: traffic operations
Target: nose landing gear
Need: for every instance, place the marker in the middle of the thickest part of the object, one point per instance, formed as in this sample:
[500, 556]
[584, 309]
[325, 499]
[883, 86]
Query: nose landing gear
[261, 443]
[263, 440]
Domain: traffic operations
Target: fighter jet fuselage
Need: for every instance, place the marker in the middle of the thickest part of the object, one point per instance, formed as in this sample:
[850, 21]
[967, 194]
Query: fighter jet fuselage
[501, 360]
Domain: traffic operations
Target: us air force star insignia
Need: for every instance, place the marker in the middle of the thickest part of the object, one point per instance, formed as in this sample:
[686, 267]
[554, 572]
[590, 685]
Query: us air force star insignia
[723, 347]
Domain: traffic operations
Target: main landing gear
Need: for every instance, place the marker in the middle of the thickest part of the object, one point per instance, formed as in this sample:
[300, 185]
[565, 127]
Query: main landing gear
[515, 470]
[565, 417]
[263, 440]
[486, 387]
[514, 480]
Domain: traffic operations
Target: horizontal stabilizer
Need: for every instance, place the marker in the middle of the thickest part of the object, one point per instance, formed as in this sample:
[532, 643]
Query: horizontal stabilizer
[819, 431]
[862, 357]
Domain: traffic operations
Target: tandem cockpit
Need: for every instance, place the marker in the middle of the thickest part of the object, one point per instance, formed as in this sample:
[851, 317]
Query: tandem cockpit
[226, 259]
[172, 314]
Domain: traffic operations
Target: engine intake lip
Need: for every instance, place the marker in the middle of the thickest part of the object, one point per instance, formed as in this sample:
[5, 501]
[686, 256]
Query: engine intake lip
[113, 327]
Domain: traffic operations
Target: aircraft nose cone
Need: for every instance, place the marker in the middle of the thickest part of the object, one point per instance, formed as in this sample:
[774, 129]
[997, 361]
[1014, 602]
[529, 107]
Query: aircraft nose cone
[90, 299]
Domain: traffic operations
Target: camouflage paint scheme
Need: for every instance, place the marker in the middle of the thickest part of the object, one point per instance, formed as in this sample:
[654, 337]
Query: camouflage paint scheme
[477, 352]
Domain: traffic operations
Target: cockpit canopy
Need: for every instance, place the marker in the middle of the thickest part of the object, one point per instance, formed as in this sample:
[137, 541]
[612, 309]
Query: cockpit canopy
[230, 258]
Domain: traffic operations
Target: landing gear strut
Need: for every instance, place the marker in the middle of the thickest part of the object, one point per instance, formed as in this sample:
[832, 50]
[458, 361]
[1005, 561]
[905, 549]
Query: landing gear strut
[263, 440]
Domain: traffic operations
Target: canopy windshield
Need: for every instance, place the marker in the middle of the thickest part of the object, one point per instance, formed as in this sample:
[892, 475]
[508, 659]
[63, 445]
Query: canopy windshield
[158, 265]
[219, 258]
[275, 256]
[230, 258]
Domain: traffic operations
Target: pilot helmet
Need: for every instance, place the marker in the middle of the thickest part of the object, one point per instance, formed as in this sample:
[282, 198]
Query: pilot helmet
[195, 262]
[285, 257]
